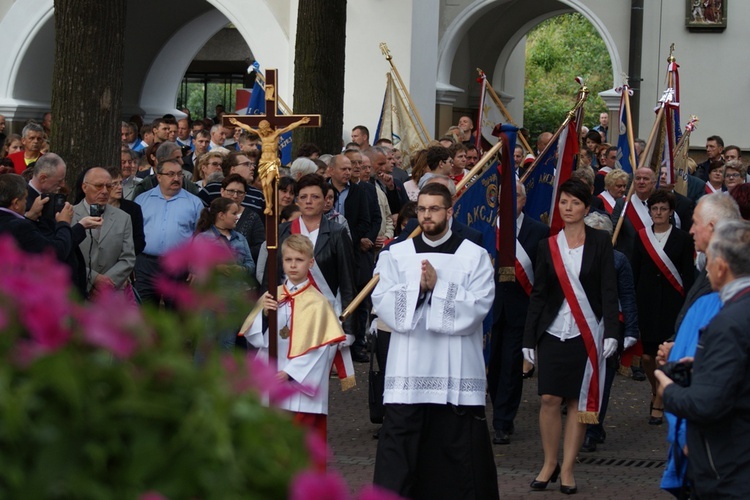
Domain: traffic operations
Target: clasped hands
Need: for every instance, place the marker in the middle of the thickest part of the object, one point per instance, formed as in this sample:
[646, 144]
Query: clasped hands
[428, 278]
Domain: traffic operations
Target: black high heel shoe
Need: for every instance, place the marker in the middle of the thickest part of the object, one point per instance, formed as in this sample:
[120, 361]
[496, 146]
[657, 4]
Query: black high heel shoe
[529, 373]
[568, 490]
[541, 485]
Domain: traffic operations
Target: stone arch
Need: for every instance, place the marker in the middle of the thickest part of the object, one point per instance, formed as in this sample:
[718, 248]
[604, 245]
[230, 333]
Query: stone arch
[459, 27]
[28, 27]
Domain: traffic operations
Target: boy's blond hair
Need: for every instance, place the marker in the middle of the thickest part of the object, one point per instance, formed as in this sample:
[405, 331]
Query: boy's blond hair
[299, 243]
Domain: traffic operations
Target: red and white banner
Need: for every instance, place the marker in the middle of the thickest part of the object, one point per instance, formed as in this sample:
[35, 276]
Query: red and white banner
[567, 149]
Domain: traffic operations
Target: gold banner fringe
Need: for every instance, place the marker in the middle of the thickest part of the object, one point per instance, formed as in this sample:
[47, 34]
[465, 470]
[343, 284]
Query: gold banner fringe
[505, 274]
[348, 382]
[588, 417]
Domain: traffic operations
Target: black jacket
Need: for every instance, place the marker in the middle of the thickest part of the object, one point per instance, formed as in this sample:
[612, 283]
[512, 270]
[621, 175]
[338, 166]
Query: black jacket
[597, 276]
[30, 239]
[717, 404]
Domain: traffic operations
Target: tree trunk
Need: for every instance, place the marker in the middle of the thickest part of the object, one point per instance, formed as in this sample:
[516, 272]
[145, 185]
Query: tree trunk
[319, 71]
[87, 83]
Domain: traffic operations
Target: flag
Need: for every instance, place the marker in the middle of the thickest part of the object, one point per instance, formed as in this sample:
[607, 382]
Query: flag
[257, 106]
[567, 150]
[477, 208]
[681, 158]
[623, 144]
[489, 117]
[672, 121]
[397, 121]
[241, 100]
[539, 185]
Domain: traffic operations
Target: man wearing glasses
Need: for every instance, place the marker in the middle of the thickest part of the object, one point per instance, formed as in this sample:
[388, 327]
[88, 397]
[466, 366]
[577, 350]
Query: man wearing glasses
[169, 217]
[434, 292]
[243, 164]
[108, 251]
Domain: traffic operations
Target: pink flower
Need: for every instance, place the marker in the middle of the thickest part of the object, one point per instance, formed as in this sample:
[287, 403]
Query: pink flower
[187, 297]
[110, 321]
[257, 375]
[198, 256]
[308, 485]
[318, 448]
[152, 495]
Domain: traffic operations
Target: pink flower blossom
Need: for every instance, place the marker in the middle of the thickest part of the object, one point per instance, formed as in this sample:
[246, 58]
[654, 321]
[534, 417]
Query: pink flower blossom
[318, 448]
[198, 256]
[152, 495]
[257, 375]
[187, 297]
[110, 321]
[308, 485]
[37, 287]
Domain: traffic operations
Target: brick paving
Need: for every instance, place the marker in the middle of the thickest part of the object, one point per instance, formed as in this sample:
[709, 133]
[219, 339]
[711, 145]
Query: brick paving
[628, 466]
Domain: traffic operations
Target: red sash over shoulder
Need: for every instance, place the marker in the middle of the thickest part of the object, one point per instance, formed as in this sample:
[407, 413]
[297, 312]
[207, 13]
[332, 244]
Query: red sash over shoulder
[589, 401]
[524, 269]
[608, 201]
[661, 259]
[637, 213]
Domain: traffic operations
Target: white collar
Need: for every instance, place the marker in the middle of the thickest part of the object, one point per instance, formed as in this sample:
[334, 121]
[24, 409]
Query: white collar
[439, 242]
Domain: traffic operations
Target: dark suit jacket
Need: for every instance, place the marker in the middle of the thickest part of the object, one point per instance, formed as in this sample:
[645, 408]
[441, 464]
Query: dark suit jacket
[187, 162]
[376, 218]
[658, 301]
[458, 228]
[597, 276]
[357, 213]
[30, 239]
[511, 301]
[334, 256]
[397, 197]
[684, 207]
[133, 209]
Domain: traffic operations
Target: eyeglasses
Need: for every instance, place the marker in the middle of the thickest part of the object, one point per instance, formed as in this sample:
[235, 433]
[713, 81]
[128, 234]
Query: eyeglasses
[430, 210]
[172, 175]
[731, 176]
[659, 209]
[215, 163]
[100, 185]
[245, 164]
[233, 192]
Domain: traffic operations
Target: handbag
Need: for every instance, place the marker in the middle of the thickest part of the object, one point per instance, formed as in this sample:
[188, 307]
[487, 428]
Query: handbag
[376, 385]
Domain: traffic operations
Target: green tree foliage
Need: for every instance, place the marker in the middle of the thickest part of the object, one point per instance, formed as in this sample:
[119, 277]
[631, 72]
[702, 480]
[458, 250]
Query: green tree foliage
[557, 51]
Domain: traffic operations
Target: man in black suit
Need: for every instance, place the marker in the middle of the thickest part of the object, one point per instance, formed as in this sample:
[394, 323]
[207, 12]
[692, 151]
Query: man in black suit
[13, 195]
[351, 201]
[504, 377]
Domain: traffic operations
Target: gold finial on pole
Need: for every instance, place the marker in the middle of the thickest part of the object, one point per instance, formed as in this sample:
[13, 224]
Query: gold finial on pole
[385, 51]
[671, 57]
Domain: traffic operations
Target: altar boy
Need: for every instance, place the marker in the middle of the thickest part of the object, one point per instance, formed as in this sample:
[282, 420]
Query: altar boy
[308, 334]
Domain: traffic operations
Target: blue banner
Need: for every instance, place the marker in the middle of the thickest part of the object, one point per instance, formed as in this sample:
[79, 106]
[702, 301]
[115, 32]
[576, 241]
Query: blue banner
[540, 186]
[623, 146]
[477, 208]
[257, 106]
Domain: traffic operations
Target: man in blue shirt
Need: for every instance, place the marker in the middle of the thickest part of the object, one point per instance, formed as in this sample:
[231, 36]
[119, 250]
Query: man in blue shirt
[169, 217]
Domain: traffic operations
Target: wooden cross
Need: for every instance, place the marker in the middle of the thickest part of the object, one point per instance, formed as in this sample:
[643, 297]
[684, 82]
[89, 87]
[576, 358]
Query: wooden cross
[269, 128]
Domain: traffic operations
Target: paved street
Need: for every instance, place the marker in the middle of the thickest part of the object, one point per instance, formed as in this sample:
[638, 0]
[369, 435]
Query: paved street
[628, 465]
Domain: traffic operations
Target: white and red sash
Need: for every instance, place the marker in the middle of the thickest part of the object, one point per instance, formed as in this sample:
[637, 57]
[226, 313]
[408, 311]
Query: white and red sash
[710, 189]
[608, 200]
[604, 171]
[661, 259]
[637, 213]
[592, 387]
[343, 359]
[524, 269]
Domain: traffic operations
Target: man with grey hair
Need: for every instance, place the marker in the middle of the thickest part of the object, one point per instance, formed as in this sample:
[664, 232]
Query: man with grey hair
[109, 251]
[218, 137]
[716, 402]
[383, 179]
[32, 138]
[302, 166]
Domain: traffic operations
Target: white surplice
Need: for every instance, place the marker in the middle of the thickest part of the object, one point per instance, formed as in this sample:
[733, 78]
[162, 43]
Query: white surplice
[310, 371]
[435, 353]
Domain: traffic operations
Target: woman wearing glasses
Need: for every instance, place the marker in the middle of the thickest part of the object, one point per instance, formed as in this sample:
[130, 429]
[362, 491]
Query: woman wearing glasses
[249, 225]
[663, 271]
[208, 163]
[735, 173]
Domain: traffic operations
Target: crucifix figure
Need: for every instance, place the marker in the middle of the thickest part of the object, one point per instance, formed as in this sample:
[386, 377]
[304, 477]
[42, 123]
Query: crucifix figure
[269, 132]
[269, 128]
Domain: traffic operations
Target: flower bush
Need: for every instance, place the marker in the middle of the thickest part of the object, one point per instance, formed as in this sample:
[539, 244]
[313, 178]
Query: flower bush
[104, 399]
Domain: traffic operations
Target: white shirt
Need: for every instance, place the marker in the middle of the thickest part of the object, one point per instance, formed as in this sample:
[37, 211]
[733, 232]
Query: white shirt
[564, 326]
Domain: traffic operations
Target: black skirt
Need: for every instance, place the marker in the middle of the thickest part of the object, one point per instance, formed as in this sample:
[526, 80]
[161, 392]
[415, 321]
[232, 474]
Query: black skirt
[561, 366]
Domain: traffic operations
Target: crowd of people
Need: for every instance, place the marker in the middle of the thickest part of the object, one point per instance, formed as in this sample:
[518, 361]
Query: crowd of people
[579, 309]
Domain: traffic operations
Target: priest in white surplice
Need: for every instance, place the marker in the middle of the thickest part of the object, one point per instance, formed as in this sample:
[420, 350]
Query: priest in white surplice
[434, 291]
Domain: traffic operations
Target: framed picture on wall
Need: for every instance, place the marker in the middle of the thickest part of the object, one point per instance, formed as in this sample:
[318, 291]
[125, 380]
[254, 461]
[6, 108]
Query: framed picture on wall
[706, 15]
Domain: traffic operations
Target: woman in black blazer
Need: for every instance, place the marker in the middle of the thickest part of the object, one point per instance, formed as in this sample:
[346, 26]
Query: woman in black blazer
[551, 328]
[658, 300]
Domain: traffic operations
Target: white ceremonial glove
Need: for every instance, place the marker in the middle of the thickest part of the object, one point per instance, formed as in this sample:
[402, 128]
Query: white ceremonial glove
[528, 355]
[610, 347]
[629, 342]
[348, 342]
[374, 327]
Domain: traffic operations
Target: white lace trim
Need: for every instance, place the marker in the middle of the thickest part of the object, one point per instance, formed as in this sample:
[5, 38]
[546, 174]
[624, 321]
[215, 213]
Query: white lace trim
[449, 311]
[435, 384]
